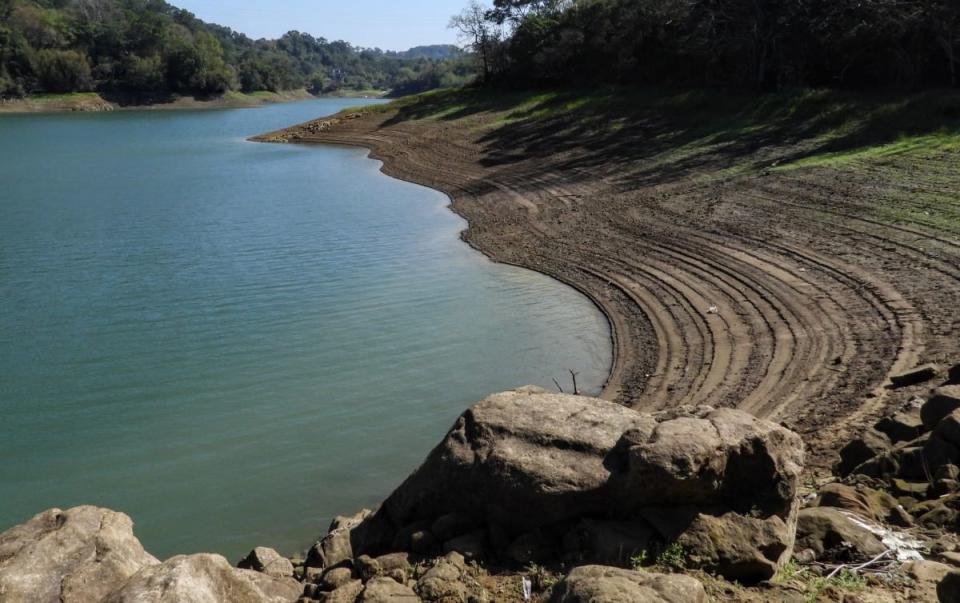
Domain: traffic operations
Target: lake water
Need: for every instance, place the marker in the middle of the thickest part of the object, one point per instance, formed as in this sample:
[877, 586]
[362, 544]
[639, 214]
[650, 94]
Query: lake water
[233, 342]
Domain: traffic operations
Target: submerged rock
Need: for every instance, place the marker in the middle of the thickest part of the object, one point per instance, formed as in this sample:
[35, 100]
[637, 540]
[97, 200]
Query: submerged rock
[75, 556]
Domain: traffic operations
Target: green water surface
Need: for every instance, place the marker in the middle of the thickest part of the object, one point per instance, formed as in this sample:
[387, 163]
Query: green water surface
[232, 342]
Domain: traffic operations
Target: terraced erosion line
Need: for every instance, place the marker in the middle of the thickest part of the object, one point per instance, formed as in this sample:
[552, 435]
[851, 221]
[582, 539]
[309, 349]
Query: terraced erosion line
[779, 293]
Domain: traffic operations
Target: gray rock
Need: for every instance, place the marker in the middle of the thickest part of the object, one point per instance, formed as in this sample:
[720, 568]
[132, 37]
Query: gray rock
[601, 584]
[386, 590]
[948, 429]
[914, 376]
[944, 401]
[735, 546]
[901, 427]
[874, 505]
[394, 562]
[936, 452]
[75, 556]
[346, 593]
[350, 537]
[336, 577]
[541, 459]
[832, 535]
[366, 567]
[204, 579]
[443, 581]
[267, 561]
[947, 471]
[871, 444]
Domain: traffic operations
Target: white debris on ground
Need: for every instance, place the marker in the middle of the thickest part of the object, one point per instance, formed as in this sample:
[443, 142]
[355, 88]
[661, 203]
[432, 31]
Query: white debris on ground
[900, 544]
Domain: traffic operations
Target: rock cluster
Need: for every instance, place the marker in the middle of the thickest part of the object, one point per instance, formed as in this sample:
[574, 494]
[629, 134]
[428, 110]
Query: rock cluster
[80, 555]
[914, 455]
[90, 555]
[528, 476]
[524, 477]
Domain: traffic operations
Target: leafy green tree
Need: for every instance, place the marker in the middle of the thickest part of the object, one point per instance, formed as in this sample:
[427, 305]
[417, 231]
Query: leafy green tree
[62, 70]
[143, 74]
[151, 47]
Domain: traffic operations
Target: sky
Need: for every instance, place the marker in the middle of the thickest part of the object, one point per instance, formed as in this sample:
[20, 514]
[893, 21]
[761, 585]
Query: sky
[385, 24]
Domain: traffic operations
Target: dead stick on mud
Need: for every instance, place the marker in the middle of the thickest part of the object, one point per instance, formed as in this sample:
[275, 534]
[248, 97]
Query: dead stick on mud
[857, 568]
[557, 383]
[573, 375]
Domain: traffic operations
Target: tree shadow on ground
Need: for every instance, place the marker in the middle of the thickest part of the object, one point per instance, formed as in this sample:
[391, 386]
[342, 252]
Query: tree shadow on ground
[638, 137]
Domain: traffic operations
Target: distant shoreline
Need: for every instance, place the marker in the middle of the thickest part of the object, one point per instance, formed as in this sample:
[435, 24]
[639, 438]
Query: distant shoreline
[91, 102]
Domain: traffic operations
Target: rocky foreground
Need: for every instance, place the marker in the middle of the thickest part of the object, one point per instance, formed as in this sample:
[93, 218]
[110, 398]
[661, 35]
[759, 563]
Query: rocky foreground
[552, 497]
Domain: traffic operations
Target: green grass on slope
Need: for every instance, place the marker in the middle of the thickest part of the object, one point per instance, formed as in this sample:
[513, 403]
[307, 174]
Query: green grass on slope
[68, 97]
[908, 144]
[788, 130]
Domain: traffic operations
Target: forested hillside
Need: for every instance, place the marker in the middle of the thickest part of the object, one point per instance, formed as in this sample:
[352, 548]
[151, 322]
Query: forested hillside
[148, 49]
[764, 44]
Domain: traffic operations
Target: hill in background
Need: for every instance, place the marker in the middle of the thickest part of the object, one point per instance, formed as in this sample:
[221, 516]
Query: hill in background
[144, 50]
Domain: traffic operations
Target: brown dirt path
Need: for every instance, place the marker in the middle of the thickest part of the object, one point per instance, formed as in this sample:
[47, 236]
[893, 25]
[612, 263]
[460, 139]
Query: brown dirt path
[783, 293]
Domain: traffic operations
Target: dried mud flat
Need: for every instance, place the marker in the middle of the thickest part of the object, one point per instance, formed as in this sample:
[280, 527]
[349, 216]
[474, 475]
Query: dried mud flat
[793, 294]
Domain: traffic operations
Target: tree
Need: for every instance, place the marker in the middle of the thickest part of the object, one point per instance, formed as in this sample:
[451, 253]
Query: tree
[143, 74]
[516, 12]
[62, 71]
[480, 34]
[944, 19]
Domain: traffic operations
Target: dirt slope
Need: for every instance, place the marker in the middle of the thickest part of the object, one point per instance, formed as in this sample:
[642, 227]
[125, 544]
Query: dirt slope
[731, 276]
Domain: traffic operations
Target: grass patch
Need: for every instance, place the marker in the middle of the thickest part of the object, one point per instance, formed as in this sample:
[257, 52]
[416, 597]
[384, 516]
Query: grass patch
[672, 558]
[905, 145]
[646, 136]
[815, 585]
[69, 97]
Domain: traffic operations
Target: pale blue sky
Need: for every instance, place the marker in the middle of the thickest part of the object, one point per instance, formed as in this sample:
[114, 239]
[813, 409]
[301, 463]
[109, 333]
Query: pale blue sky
[387, 24]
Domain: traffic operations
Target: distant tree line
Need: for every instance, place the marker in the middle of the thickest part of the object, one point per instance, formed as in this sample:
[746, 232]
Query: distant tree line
[149, 48]
[763, 44]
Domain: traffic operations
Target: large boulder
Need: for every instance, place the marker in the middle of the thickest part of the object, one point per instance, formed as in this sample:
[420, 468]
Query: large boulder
[544, 460]
[204, 578]
[74, 556]
[601, 584]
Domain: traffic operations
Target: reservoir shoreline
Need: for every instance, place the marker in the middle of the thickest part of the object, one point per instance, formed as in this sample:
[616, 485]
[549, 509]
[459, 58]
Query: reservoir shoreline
[715, 288]
[94, 103]
[393, 169]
